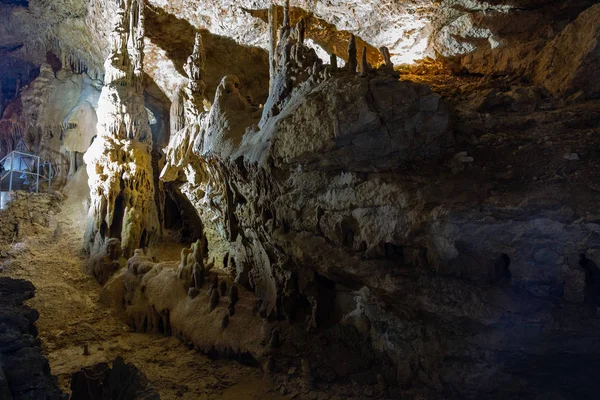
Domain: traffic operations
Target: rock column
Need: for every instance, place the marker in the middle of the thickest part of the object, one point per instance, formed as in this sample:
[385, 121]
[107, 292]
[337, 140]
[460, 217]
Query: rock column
[119, 162]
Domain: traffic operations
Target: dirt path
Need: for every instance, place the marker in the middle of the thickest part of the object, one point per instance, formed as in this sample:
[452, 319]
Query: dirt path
[71, 316]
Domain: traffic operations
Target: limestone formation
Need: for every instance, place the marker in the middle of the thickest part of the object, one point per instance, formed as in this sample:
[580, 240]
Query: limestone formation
[333, 62]
[568, 64]
[295, 64]
[273, 23]
[224, 321]
[233, 294]
[120, 381]
[365, 68]
[24, 371]
[105, 262]
[188, 103]
[119, 161]
[214, 299]
[274, 341]
[427, 234]
[352, 63]
[140, 263]
[198, 272]
[191, 268]
[307, 376]
[214, 281]
[385, 52]
[192, 293]
[57, 232]
[286, 14]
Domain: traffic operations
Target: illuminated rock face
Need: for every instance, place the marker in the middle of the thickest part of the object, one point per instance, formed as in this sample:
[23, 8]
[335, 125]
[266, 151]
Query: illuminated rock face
[119, 161]
[315, 124]
[59, 117]
[476, 36]
[569, 63]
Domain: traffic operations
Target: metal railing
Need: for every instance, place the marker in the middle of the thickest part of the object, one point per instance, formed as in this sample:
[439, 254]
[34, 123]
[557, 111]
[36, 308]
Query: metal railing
[28, 167]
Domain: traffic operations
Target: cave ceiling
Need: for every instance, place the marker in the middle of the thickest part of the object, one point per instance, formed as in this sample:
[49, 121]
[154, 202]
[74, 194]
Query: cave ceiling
[464, 30]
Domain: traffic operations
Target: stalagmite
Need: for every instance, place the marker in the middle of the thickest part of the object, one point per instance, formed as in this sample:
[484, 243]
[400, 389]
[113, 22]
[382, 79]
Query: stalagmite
[224, 321]
[286, 14]
[307, 375]
[364, 65]
[233, 294]
[193, 293]
[272, 41]
[385, 52]
[352, 54]
[119, 161]
[333, 62]
[214, 299]
[274, 342]
[188, 102]
[177, 113]
[301, 30]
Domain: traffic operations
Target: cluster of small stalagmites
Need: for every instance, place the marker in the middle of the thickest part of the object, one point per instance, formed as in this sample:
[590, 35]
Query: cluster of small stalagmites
[362, 67]
[192, 269]
[218, 289]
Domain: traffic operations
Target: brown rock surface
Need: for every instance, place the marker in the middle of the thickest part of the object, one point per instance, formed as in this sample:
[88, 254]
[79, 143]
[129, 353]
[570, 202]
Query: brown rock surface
[570, 62]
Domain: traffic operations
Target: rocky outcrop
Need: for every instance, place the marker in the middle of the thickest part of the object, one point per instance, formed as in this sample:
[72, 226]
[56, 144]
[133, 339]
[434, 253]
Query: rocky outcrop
[23, 214]
[119, 162]
[101, 382]
[349, 206]
[24, 372]
[569, 63]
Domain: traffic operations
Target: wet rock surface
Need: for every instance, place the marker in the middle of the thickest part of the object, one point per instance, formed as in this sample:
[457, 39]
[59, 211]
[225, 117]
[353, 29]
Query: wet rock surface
[24, 371]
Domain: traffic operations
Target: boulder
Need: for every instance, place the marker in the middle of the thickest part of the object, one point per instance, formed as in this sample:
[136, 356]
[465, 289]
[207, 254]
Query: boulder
[570, 62]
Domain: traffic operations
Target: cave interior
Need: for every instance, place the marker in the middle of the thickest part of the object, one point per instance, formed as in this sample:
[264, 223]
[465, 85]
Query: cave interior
[294, 199]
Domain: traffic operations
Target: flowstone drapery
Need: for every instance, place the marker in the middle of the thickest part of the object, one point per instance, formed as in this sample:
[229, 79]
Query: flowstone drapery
[119, 161]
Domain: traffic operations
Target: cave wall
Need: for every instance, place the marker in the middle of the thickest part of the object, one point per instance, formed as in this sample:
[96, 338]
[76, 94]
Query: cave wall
[344, 200]
[350, 188]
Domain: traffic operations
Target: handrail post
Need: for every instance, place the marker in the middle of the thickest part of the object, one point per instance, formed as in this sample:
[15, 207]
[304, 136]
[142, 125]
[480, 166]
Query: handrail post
[37, 177]
[12, 158]
[49, 176]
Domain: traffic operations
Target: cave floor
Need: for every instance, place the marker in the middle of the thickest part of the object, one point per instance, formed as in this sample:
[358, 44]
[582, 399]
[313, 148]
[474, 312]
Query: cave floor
[72, 316]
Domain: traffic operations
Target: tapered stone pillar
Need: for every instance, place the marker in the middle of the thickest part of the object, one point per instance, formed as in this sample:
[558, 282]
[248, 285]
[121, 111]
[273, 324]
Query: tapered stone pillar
[119, 162]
